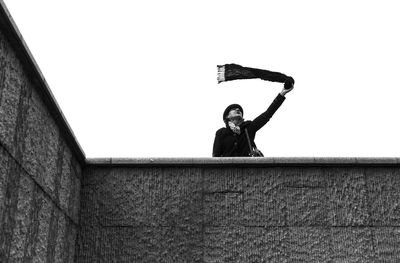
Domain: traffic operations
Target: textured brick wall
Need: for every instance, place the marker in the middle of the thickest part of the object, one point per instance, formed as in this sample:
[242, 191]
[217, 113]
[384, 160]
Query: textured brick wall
[240, 214]
[40, 176]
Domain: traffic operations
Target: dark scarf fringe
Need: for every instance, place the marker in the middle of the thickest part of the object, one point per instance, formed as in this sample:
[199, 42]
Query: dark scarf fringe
[229, 72]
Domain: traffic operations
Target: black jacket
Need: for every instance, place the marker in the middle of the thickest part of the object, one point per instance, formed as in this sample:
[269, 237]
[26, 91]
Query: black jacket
[229, 144]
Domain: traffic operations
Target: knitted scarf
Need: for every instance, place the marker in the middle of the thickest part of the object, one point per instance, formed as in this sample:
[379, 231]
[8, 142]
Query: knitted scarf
[234, 128]
[234, 124]
[229, 72]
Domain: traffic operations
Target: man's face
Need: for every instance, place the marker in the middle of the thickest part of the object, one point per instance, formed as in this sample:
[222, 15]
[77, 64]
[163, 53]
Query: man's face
[234, 113]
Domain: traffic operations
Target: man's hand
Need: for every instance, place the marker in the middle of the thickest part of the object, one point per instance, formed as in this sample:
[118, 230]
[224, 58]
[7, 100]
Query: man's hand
[288, 86]
[284, 91]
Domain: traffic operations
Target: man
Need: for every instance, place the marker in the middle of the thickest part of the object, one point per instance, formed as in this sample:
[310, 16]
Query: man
[232, 140]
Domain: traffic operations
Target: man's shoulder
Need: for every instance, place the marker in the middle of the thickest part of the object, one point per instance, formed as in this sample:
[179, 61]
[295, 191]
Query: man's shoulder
[222, 131]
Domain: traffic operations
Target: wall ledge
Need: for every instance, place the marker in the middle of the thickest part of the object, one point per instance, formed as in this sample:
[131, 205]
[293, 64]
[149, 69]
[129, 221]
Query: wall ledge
[243, 162]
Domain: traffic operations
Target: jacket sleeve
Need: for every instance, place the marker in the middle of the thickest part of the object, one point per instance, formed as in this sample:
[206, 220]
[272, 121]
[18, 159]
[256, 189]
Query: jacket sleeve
[217, 148]
[261, 120]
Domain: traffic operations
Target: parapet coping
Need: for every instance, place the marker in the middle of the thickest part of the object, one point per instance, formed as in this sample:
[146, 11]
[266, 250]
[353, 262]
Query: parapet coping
[242, 161]
[14, 36]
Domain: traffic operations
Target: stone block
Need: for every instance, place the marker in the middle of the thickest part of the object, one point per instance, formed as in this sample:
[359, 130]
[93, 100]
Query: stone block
[244, 244]
[109, 238]
[74, 203]
[60, 254]
[351, 244]
[43, 221]
[4, 163]
[11, 86]
[150, 197]
[89, 206]
[180, 244]
[70, 241]
[89, 230]
[307, 207]
[386, 241]
[130, 198]
[286, 197]
[35, 225]
[76, 167]
[264, 245]
[383, 186]
[65, 182]
[53, 233]
[8, 217]
[41, 145]
[302, 177]
[68, 185]
[223, 209]
[93, 175]
[88, 242]
[347, 195]
[223, 180]
[149, 244]
[23, 221]
[264, 200]
[223, 244]
[308, 244]
[181, 200]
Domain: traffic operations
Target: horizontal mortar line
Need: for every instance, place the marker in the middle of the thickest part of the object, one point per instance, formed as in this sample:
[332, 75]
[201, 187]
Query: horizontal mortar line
[222, 192]
[245, 226]
[36, 183]
[304, 186]
[309, 226]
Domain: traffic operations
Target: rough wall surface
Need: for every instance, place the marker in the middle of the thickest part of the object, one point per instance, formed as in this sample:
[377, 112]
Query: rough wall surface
[178, 213]
[240, 214]
[40, 177]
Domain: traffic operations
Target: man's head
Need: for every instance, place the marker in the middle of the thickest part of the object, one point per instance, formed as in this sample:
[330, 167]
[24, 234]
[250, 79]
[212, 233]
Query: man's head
[233, 111]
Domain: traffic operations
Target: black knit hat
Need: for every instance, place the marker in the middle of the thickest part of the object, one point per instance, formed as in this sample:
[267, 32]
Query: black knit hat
[231, 107]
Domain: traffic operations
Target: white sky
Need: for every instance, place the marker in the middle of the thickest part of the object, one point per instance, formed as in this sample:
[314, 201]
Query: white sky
[138, 78]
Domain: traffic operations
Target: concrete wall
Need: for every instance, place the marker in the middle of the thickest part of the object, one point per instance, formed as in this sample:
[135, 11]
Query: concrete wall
[240, 210]
[55, 206]
[40, 161]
